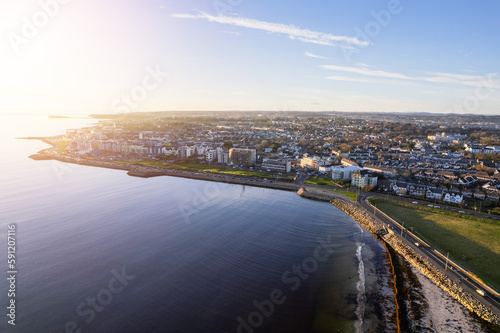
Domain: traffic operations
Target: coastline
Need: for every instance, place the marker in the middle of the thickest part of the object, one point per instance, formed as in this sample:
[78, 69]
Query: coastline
[310, 192]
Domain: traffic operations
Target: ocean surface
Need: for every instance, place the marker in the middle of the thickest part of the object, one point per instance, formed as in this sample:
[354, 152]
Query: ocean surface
[100, 251]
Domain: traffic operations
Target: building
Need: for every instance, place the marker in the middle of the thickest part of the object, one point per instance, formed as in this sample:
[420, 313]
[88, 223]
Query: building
[182, 152]
[434, 193]
[400, 188]
[276, 165]
[363, 178]
[446, 137]
[324, 168]
[453, 198]
[347, 162]
[388, 172]
[311, 162]
[156, 150]
[416, 190]
[482, 149]
[344, 173]
[222, 157]
[242, 156]
[210, 155]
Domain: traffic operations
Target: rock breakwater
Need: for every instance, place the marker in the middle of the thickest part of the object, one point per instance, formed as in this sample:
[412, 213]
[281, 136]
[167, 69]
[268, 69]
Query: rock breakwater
[429, 270]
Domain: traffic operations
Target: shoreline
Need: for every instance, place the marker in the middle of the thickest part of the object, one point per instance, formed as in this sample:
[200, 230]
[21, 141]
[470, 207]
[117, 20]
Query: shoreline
[344, 203]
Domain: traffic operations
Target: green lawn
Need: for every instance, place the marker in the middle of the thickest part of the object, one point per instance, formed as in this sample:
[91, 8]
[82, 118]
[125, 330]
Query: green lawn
[352, 195]
[200, 167]
[320, 181]
[475, 237]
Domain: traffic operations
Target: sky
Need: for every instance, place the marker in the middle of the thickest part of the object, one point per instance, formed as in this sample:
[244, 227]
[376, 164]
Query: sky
[70, 57]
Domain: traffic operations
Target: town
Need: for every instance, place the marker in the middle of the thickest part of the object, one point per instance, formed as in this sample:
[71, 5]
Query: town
[453, 159]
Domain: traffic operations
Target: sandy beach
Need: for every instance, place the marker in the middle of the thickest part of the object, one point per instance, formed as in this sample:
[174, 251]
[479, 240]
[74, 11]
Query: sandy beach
[444, 313]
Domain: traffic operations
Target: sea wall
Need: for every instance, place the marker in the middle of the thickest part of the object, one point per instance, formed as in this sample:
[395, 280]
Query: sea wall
[429, 270]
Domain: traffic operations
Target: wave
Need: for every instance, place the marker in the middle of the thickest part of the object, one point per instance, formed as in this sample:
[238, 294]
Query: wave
[360, 286]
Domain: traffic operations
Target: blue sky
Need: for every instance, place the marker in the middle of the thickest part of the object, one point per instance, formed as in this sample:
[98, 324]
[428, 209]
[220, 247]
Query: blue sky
[84, 57]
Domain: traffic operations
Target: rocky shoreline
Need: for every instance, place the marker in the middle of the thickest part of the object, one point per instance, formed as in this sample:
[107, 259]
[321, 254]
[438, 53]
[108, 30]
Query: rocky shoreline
[424, 266]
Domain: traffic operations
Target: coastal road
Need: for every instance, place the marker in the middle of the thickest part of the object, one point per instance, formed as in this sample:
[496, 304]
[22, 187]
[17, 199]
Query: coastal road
[456, 273]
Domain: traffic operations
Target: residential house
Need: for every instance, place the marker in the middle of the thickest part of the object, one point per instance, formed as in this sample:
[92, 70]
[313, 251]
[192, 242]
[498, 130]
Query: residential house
[453, 198]
[434, 193]
[416, 190]
[400, 188]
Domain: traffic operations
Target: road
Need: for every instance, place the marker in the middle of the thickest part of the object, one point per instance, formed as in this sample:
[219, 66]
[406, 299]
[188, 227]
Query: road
[451, 269]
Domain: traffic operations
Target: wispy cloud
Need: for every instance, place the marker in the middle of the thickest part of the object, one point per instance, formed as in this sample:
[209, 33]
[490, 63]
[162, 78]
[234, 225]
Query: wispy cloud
[367, 72]
[309, 54]
[488, 80]
[294, 32]
[361, 64]
[231, 32]
[347, 78]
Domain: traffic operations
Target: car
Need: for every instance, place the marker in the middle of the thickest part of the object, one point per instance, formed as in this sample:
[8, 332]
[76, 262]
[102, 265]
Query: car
[430, 205]
[437, 206]
[480, 292]
[417, 244]
[461, 211]
[415, 202]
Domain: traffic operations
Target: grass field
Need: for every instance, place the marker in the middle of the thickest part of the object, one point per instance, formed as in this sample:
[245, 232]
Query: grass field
[475, 237]
[201, 167]
[352, 195]
[320, 181]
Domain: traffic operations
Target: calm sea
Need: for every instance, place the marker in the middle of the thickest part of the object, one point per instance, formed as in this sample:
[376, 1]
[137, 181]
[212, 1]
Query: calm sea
[99, 251]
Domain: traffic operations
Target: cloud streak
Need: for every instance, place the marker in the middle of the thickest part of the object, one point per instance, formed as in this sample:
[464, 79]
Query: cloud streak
[367, 72]
[293, 32]
[311, 55]
[488, 80]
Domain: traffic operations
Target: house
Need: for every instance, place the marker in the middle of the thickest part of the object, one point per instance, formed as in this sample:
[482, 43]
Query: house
[434, 193]
[384, 185]
[446, 174]
[400, 188]
[492, 196]
[416, 190]
[453, 198]
[481, 175]
[467, 193]
[478, 194]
